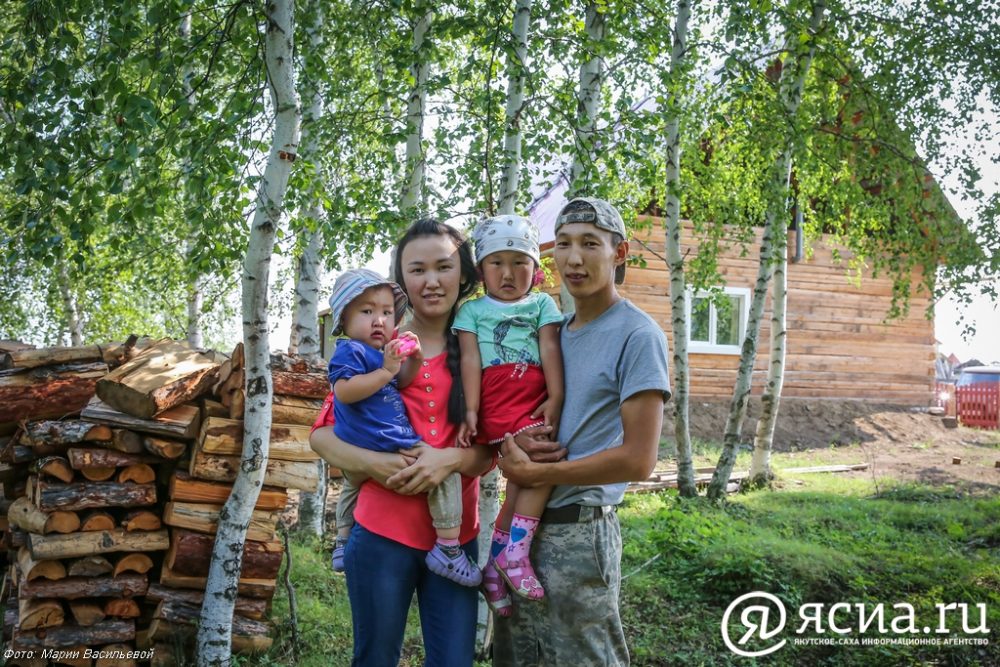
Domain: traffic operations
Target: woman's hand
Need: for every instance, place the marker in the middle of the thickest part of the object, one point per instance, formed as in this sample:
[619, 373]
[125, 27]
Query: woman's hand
[385, 465]
[428, 469]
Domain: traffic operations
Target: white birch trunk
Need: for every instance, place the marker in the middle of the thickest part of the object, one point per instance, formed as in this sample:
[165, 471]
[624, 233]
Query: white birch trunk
[215, 623]
[790, 89]
[414, 194]
[195, 289]
[195, 300]
[489, 484]
[588, 98]
[517, 70]
[74, 323]
[489, 508]
[304, 336]
[588, 103]
[675, 263]
[760, 463]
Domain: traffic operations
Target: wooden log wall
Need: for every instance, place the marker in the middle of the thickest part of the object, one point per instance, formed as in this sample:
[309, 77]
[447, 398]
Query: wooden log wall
[840, 345]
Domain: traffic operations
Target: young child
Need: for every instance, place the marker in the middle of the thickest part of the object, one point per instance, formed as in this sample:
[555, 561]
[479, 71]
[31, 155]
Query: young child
[512, 374]
[365, 372]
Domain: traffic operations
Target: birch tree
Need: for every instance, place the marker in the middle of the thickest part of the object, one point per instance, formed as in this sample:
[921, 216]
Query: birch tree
[414, 194]
[790, 90]
[517, 69]
[304, 334]
[581, 172]
[675, 261]
[215, 623]
[588, 104]
[760, 463]
[195, 297]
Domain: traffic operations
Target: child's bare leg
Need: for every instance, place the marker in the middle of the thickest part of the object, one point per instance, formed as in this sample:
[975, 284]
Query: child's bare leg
[507, 509]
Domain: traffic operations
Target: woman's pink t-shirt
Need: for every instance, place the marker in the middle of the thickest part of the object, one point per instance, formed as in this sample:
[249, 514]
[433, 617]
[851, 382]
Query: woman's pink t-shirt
[407, 519]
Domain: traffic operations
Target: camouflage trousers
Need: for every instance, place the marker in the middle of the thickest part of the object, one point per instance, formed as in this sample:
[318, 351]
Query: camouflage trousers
[445, 501]
[577, 623]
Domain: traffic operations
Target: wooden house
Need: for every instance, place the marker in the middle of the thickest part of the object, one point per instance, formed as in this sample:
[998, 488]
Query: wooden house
[840, 345]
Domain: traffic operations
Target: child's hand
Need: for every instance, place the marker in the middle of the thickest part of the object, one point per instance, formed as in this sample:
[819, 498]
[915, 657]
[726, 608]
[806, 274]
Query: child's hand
[467, 431]
[409, 345]
[550, 411]
[391, 357]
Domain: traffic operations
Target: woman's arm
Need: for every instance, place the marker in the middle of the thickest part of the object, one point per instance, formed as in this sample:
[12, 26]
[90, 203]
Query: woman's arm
[377, 465]
[433, 465]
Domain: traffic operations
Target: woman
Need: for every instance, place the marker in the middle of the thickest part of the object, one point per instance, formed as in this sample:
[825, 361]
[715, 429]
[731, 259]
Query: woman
[384, 558]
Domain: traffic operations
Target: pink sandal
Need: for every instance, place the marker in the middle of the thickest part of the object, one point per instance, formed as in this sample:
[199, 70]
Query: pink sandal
[496, 592]
[520, 576]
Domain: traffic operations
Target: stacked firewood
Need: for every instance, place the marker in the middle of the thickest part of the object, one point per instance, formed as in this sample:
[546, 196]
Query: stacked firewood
[113, 508]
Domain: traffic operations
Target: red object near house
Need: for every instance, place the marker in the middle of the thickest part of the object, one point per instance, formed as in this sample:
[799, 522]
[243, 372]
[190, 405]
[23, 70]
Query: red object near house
[979, 405]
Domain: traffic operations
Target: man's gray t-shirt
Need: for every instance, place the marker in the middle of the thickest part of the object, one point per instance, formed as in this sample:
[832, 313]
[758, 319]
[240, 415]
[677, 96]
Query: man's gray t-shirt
[605, 362]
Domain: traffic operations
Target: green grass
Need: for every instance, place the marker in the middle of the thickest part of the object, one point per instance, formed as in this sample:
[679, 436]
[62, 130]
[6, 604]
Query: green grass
[833, 539]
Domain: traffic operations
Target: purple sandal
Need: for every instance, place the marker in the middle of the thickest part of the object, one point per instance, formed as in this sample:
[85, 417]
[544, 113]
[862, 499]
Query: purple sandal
[458, 569]
[495, 591]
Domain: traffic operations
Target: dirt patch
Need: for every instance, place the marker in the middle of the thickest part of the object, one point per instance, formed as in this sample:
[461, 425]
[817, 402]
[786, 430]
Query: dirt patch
[898, 441]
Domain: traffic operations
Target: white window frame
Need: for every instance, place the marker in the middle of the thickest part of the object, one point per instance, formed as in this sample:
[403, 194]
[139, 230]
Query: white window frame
[744, 314]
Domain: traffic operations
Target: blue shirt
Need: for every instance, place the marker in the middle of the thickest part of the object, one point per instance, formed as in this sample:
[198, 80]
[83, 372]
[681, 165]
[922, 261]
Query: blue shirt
[379, 422]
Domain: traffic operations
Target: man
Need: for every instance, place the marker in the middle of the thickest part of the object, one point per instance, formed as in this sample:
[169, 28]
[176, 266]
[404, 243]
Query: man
[615, 361]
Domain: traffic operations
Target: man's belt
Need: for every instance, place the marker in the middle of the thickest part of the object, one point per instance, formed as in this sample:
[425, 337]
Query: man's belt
[575, 513]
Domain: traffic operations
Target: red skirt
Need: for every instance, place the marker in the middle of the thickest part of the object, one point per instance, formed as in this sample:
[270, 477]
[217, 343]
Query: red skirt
[509, 394]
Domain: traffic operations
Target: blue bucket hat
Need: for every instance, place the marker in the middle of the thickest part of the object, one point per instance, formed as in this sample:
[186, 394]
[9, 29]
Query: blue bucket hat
[350, 285]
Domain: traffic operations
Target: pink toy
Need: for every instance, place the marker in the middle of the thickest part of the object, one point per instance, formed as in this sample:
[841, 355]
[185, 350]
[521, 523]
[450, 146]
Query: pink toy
[407, 346]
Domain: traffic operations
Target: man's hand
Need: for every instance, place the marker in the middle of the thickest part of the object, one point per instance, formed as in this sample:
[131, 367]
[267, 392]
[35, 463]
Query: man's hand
[517, 467]
[537, 443]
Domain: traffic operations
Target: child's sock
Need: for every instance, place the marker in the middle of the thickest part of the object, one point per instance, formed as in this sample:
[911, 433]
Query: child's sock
[499, 542]
[522, 529]
[450, 546]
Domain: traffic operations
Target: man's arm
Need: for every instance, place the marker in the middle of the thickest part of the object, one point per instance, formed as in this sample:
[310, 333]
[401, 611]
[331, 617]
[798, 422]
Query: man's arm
[634, 460]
